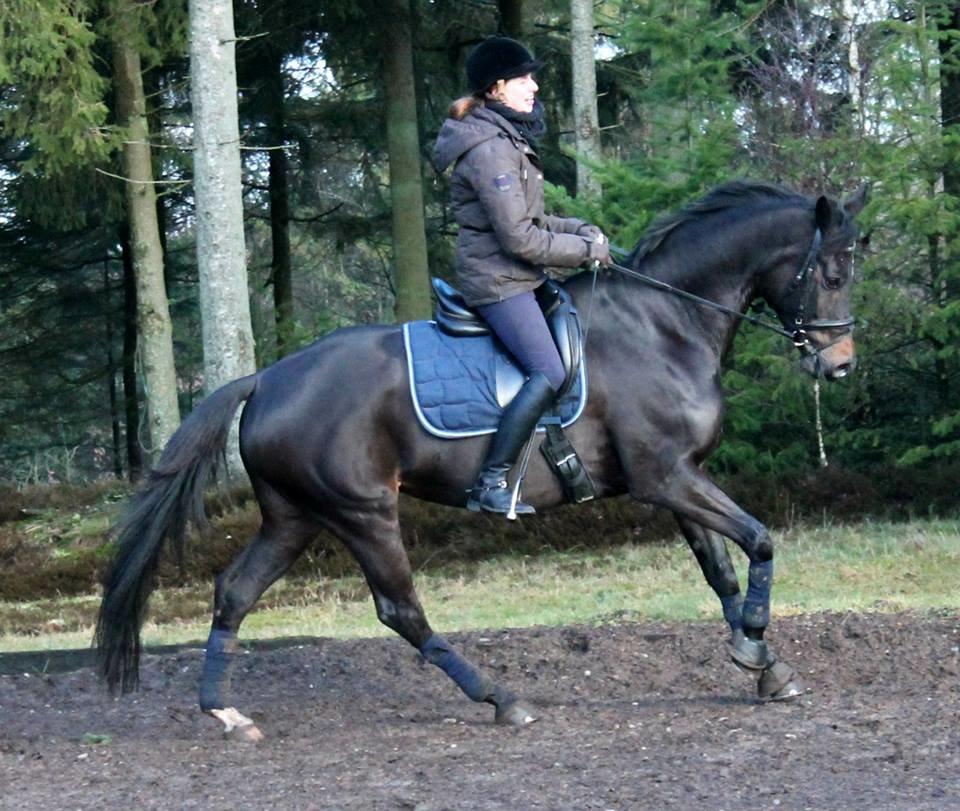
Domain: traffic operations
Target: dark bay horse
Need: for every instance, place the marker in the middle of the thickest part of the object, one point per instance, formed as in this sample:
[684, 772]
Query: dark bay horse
[329, 438]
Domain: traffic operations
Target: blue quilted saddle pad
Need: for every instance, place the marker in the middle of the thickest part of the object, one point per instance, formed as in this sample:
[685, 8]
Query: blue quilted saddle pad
[453, 382]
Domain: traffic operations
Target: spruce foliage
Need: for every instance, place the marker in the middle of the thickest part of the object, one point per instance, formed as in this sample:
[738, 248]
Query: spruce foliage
[691, 93]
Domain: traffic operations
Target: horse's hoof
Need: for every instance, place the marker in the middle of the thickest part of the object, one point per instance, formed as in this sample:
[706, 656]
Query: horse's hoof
[514, 714]
[237, 727]
[792, 690]
[751, 654]
[249, 733]
[779, 682]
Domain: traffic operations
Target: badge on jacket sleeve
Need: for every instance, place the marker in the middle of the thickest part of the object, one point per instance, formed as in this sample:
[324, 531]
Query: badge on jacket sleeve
[502, 182]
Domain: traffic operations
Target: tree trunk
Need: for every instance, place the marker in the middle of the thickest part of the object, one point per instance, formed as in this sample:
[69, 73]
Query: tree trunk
[585, 121]
[947, 278]
[280, 271]
[117, 459]
[514, 20]
[854, 89]
[131, 397]
[228, 349]
[950, 94]
[406, 181]
[153, 88]
[153, 314]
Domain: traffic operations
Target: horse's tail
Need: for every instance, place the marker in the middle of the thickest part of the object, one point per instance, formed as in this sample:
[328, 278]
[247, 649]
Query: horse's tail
[171, 497]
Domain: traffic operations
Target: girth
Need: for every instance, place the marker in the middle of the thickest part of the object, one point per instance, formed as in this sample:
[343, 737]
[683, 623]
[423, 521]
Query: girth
[455, 317]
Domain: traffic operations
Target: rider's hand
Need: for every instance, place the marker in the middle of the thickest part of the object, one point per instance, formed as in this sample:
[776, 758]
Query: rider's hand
[590, 232]
[599, 255]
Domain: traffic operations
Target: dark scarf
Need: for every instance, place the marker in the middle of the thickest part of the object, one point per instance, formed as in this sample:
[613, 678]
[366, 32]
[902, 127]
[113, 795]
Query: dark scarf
[532, 126]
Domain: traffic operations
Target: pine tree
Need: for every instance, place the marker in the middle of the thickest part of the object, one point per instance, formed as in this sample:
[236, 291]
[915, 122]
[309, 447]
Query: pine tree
[228, 350]
[154, 326]
[406, 179]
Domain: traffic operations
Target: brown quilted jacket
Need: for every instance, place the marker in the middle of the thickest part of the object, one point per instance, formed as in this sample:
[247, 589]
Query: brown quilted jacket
[496, 192]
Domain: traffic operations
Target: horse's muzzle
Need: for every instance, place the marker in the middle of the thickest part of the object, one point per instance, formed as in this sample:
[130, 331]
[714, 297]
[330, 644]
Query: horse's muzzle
[834, 361]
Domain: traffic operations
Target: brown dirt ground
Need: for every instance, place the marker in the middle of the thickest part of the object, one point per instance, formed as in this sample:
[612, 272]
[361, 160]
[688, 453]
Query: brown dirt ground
[632, 716]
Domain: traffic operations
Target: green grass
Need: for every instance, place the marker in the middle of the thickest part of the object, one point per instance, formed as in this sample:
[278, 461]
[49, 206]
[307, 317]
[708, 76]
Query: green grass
[861, 567]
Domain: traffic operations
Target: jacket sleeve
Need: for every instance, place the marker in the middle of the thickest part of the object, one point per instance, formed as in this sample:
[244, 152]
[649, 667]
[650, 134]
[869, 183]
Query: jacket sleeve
[563, 225]
[494, 168]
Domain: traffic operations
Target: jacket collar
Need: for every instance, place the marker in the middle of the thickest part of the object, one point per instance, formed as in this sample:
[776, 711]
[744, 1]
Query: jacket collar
[456, 138]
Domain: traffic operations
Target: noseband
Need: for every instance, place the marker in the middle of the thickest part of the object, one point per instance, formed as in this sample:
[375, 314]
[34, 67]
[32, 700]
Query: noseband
[800, 327]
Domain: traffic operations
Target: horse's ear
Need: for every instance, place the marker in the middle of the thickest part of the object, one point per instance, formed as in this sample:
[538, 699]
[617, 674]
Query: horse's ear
[855, 204]
[825, 213]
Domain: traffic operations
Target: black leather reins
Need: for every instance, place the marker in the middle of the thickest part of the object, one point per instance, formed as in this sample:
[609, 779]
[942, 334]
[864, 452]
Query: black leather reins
[798, 335]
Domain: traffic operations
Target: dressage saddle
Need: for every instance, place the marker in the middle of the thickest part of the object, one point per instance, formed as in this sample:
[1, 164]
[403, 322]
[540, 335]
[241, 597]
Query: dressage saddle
[456, 318]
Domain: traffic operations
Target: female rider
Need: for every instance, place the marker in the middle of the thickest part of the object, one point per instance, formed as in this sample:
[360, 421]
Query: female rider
[505, 239]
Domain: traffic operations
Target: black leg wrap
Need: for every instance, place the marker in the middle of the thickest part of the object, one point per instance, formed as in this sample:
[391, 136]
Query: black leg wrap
[222, 647]
[509, 711]
[438, 651]
[756, 606]
[733, 611]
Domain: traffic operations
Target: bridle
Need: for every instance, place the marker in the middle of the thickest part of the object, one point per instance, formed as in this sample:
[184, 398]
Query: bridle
[802, 283]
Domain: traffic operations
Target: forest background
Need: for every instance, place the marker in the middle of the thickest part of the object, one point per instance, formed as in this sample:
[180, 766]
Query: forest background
[821, 97]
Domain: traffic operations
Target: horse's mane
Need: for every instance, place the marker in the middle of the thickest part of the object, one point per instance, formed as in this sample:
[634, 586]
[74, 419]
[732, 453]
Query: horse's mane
[732, 195]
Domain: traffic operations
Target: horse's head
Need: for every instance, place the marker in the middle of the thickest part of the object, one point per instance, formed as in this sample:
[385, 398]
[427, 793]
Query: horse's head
[812, 296]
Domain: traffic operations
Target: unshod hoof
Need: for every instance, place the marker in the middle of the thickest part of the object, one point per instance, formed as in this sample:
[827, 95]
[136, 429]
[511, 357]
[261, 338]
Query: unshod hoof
[514, 714]
[246, 734]
[237, 727]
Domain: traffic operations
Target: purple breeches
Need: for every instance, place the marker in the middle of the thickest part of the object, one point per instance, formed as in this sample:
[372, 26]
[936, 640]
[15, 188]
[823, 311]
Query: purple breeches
[519, 323]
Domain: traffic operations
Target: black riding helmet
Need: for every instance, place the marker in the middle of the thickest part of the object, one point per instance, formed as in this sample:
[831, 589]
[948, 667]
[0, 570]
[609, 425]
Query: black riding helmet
[498, 58]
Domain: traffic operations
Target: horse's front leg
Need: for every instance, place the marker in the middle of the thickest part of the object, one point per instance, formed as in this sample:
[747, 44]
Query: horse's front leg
[710, 550]
[777, 680]
[705, 514]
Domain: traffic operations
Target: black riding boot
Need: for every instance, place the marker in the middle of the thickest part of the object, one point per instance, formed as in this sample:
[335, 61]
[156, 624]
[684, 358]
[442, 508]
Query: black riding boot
[491, 492]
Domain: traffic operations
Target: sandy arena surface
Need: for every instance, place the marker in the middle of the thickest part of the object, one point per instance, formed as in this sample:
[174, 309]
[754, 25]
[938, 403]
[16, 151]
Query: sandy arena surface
[631, 716]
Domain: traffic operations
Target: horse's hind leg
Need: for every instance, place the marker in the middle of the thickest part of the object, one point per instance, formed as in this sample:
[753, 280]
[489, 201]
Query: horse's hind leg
[374, 538]
[278, 544]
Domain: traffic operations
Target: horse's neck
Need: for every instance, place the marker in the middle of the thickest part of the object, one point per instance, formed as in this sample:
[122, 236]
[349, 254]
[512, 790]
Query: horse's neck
[633, 312]
[724, 268]
[720, 274]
